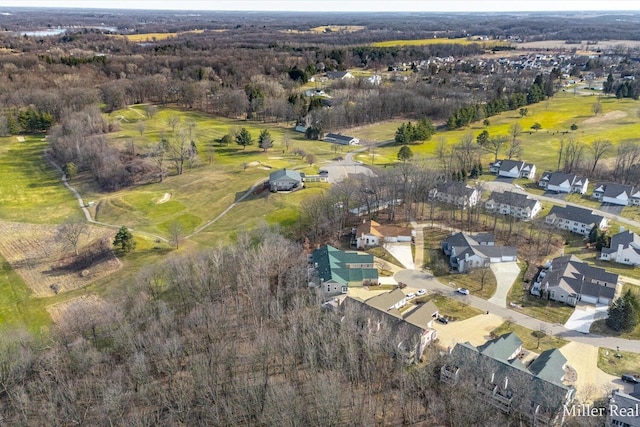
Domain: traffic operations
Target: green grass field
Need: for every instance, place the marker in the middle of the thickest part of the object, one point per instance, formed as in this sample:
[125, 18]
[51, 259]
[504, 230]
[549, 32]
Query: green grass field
[629, 363]
[618, 122]
[30, 189]
[529, 340]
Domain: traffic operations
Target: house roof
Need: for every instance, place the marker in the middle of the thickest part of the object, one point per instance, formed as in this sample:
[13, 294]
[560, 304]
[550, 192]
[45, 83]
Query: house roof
[626, 239]
[384, 302]
[455, 188]
[630, 404]
[511, 198]
[464, 243]
[339, 137]
[557, 178]
[374, 228]
[337, 74]
[333, 264]
[423, 315]
[575, 276]
[497, 251]
[508, 165]
[549, 365]
[583, 216]
[285, 174]
[615, 190]
[502, 347]
[546, 390]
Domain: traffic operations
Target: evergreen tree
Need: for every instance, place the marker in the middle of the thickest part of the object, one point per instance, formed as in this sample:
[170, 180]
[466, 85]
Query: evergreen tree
[264, 141]
[124, 240]
[623, 313]
[405, 153]
[593, 234]
[244, 138]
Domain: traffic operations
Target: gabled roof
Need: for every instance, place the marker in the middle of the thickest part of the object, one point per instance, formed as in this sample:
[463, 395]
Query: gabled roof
[508, 165]
[423, 315]
[583, 216]
[626, 239]
[285, 173]
[549, 366]
[511, 198]
[339, 137]
[502, 347]
[455, 188]
[337, 74]
[333, 264]
[558, 178]
[616, 190]
[575, 276]
[384, 302]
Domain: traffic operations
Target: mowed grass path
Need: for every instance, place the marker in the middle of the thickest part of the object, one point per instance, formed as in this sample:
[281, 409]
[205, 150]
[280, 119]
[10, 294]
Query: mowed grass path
[618, 122]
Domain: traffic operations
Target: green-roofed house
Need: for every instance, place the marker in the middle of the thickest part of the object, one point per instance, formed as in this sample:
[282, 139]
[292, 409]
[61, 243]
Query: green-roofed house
[285, 180]
[536, 392]
[337, 270]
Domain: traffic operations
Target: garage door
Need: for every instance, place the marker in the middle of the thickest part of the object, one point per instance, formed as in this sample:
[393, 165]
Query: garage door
[495, 259]
[589, 299]
[602, 300]
[508, 258]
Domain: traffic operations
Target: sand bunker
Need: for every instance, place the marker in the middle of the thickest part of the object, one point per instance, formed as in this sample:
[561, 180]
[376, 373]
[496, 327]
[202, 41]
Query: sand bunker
[251, 164]
[20, 138]
[612, 115]
[264, 168]
[164, 199]
[275, 158]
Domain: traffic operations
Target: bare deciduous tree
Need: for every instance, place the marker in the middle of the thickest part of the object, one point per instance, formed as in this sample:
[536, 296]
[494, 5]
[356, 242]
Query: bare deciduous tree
[599, 148]
[71, 233]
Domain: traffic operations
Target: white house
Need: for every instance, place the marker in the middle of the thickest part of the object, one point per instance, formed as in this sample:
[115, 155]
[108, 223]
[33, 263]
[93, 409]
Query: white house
[624, 249]
[371, 233]
[338, 138]
[567, 279]
[574, 219]
[339, 75]
[456, 192]
[515, 204]
[617, 194]
[513, 169]
[563, 182]
[466, 252]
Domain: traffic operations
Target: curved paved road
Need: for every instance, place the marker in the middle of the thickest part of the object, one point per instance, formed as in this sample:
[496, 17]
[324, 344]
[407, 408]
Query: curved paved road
[420, 279]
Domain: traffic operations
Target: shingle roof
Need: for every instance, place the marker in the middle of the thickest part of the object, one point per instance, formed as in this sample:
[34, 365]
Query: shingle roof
[549, 366]
[614, 190]
[583, 216]
[502, 347]
[626, 239]
[507, 165]
[339, 137]
[422, 315]
[557, 178]
[384, 302]
[511, 198]
[575, 276]
[285, 173]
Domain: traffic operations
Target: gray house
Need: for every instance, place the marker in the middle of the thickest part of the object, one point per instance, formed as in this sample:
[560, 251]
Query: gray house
[537, 392]
[624, 408]
[338, 138]
[574, 219]
[567, 279]
[466, 252]
[285, 180]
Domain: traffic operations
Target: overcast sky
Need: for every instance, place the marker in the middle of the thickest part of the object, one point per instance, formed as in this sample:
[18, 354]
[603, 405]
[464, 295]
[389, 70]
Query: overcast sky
[341, 5]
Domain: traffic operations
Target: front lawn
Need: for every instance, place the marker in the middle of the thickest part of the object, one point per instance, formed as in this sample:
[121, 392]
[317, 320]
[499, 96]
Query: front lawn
[450, 308]
[628, 363]
[528, 337]
[547, 310]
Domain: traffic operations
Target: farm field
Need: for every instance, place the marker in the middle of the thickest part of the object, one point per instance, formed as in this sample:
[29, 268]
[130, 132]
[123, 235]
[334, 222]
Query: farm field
[150, 37]
[424, 42]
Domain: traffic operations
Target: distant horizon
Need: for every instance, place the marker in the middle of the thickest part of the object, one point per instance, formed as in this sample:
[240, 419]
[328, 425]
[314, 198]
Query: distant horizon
[336, 6]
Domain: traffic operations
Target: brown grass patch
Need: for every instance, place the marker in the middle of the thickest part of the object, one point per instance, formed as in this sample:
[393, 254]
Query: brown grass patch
[608, 117]
[62, 311]
[34, 252]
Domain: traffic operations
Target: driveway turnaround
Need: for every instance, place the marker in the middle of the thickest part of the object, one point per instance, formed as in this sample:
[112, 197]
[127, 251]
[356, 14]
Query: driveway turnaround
[584, 315]
[476, 330]
[506, 274]
[401, 252]
[591, 380]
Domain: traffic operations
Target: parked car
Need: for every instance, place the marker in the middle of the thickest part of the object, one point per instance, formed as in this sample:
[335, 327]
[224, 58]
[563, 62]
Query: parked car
[629, 378]
[411, 296]
[463, 291]
[443, 320]
[421, 292]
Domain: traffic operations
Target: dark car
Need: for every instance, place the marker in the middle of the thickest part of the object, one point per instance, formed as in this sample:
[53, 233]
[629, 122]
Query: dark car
[628, 378]
[443, 320]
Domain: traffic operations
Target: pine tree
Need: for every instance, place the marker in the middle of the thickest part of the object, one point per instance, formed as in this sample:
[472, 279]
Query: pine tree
[264, 140]
[124, 240]
[244, 138]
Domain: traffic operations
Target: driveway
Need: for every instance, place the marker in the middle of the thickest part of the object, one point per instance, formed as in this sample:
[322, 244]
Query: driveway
[476, 330]
[611, 208]
[554, 195]
[584, 315]
[401, 252]
[591, 381]
[506, 274]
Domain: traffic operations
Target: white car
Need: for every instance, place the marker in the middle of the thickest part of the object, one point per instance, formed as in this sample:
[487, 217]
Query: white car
[462, 291]
[421, 292]
[411, 296]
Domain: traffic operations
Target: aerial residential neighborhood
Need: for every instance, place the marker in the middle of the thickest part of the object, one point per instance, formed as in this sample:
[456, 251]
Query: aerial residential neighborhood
[411, 213]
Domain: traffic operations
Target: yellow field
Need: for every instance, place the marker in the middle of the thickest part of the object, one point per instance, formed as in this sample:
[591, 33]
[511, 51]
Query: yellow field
[338, 28]
[424, 42]
[147, 37]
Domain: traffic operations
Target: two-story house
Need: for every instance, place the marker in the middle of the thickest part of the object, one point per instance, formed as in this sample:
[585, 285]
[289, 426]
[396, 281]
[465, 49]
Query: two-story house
[617, 194]
[567, 279]
[513, 169]
[536, 392]
[454, 192]
[285, 180]
[623, 249]
[574, 219]
[336, 270]
[467, 252]
[563, 182]
[515, 204]
[624, 408]
[371, 233]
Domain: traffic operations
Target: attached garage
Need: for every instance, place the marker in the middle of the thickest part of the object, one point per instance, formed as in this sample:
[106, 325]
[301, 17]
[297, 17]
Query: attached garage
[589, 299]
[603, 300]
